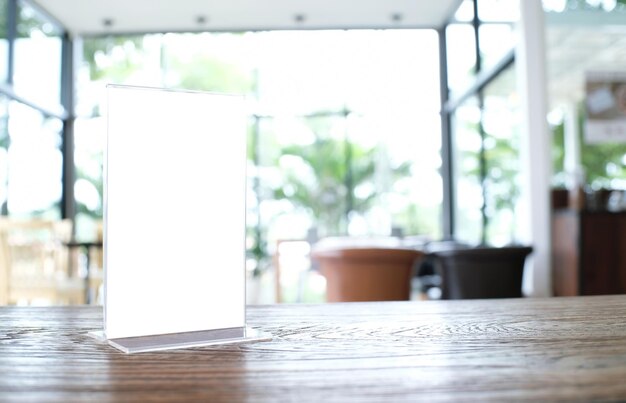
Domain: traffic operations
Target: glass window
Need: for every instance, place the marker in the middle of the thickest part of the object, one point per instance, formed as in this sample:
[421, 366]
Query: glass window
[498, 10]
[496, 35]
[4, 147]
[303, 162]
[4, 43]
[487, 167]
[385, 108]
[467, 172]
[344, 125]
[35, 161]
[89, 140]
[496, 31]
[496, 40]
[38, 44]
[119, 60]
[303, 73]
[461, 55]
[207, 61]
[501, 124]
[406, 185]
[465, 12]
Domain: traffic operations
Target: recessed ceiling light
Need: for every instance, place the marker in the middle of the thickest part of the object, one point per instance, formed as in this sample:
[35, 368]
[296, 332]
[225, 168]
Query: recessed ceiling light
[107, 22]
[397, 17]
[299, 18]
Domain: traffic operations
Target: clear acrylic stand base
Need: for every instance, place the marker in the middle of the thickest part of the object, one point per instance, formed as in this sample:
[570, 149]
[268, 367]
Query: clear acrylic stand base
[173, 341]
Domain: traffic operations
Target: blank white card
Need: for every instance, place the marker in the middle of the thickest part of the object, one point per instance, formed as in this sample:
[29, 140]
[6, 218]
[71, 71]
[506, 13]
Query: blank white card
[174, 212]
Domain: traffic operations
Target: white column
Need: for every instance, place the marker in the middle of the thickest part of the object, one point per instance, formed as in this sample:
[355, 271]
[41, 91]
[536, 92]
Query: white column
[572, 159]
[572, 163]
[535, 146]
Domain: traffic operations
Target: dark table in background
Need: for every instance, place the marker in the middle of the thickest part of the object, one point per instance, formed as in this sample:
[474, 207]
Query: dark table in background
[568, 349]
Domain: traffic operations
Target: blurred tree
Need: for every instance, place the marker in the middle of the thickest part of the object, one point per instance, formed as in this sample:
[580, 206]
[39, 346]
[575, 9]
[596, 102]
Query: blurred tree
[602, 163]
[501, 187]
[207, 73]
[321, 178]
[4, 10]
[113, 58]
[502, 184]
[558, 154]
[314, 181]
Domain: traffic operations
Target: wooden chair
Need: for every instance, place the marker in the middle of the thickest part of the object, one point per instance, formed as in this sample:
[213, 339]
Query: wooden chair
[482, 272]
[34, 263]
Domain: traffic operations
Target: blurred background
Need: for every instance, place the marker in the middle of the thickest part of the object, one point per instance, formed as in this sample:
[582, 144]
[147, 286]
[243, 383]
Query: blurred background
[345, 133]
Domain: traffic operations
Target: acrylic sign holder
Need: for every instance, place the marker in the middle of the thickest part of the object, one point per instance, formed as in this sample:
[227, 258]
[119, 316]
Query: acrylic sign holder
[174, 220]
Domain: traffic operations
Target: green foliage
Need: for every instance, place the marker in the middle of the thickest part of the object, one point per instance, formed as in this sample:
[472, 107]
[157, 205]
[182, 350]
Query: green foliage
[211, 74]
[601, 162]
[113, 58]
[317, 184]
[4, 10]
[99, 185]
[558, 150]
[321, 179]
[500, 185]
[28, 22]
[418, 220]
[502, 171]
[258, 250]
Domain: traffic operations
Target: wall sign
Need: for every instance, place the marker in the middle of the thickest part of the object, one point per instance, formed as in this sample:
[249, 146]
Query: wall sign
[605, 106]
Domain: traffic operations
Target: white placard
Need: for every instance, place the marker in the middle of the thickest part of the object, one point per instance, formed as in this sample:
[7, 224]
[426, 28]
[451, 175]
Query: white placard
[174, 212]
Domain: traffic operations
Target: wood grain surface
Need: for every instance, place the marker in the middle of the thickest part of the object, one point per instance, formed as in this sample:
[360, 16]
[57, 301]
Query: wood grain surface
[559, 349]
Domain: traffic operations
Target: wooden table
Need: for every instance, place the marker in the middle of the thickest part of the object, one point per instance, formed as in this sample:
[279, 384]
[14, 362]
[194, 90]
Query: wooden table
[568, 349]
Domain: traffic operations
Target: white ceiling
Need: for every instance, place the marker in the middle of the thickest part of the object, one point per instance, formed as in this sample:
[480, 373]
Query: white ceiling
[87, 17]
[591, 42]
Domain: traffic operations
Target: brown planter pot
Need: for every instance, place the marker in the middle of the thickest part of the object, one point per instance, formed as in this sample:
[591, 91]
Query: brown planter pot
[367, 274]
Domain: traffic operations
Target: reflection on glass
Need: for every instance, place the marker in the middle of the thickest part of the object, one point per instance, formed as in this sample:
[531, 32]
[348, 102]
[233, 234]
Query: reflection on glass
[38, 44]
[35, 162]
